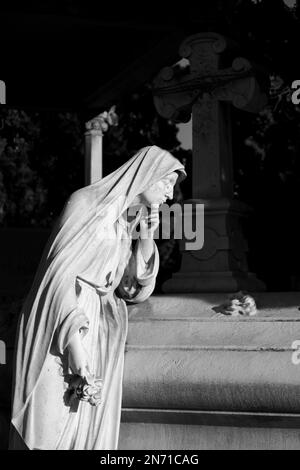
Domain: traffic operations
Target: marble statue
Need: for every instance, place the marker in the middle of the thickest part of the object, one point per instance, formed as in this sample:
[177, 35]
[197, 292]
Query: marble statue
[73, 325]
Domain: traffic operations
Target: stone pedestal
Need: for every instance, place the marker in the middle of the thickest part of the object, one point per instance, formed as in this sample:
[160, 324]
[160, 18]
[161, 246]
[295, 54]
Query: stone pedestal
[195, 379]
[209, 281]
[220, 265]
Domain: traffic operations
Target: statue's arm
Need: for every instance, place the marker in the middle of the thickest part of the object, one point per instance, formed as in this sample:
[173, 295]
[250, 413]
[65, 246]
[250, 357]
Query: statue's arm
[69, 339]
[139, 277]
[77, 358]
[74, 323]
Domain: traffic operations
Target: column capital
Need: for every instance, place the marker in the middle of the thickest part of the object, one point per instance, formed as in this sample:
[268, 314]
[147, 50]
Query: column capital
[102, 122]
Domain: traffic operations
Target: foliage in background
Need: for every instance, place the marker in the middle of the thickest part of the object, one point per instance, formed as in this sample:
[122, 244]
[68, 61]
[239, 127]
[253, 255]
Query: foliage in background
[139, 126]
[41, 162]
[266, 146]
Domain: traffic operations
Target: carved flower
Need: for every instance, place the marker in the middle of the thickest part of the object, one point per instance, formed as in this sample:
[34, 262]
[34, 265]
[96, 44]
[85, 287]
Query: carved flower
[87, 389]
[112, 117]
[103, 120]
[238, 304]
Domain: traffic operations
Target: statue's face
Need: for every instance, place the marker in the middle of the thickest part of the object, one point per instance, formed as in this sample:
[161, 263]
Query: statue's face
[159, 192]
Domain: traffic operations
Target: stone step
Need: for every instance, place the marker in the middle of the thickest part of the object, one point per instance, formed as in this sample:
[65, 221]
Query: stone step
[182, 437]
[193, 334]
[271, 305]
[211, 380]
[181, 354]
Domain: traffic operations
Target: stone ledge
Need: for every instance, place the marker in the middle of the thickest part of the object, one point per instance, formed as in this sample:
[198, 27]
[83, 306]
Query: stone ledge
[212, 380]
[278, 305]
[211, 418]
[182, 355]
[156, 436]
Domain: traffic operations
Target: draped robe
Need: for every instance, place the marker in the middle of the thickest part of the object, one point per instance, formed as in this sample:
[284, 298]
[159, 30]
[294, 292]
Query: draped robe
[87, 274]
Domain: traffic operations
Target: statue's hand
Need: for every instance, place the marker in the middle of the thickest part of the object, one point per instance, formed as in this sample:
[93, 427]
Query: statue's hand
[88, 389]
[149, 223]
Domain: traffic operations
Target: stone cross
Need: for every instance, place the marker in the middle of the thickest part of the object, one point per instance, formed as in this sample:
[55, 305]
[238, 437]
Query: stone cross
[205, 88]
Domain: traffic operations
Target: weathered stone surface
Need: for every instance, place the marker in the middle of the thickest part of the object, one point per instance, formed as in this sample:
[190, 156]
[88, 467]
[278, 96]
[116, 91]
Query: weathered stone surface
[282, 306]
[189, 367]
[146, 436]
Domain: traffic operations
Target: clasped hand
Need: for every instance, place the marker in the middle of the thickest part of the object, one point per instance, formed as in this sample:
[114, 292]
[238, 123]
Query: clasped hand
[148, 225]
[88, 388]
[84, 385]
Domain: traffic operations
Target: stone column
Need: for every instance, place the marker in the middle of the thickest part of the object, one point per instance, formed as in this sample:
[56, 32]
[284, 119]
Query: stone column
[93, 153]
[2, 92]
[206, 89]
[95, 129]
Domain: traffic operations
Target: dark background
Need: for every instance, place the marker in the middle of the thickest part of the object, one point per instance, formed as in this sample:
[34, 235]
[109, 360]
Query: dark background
[64, 62]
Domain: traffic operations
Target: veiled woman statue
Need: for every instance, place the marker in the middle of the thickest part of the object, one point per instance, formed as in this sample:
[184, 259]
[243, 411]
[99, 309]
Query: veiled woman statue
[72, 329]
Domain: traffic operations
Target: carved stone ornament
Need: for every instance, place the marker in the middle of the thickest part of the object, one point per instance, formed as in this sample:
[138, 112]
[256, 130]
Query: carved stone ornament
[103, 121]
[177, 88]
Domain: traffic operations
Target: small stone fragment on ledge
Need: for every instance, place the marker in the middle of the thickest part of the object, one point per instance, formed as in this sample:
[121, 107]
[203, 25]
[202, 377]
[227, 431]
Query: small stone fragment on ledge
[240, 303]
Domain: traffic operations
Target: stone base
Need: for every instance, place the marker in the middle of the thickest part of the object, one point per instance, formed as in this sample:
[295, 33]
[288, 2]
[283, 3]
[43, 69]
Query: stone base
[220, 265]
[212, 282]
[153, 436]
[197, 379]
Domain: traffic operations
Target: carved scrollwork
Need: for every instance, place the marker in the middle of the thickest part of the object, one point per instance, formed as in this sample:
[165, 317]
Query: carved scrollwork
[241, 64]
[219, 45]
[167, 73]
[103, 121]
[176, 91]
[218, 42]
[185, 50]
